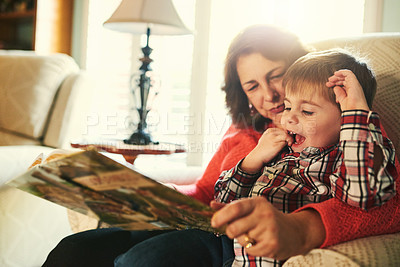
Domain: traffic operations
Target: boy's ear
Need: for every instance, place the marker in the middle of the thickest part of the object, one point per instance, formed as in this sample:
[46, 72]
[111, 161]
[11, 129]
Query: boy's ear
[338, 105]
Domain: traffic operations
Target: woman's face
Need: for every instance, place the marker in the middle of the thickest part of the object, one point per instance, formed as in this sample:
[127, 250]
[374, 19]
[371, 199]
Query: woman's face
[261, 80]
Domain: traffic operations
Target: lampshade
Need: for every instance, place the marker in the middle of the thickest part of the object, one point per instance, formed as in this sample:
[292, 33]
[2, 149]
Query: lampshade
[135, 16]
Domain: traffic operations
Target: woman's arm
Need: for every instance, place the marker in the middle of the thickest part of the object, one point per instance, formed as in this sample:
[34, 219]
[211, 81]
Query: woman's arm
[281, 236]
[343, 222]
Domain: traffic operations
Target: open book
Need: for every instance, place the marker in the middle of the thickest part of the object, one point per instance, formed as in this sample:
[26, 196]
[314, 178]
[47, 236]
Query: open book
[93, 184]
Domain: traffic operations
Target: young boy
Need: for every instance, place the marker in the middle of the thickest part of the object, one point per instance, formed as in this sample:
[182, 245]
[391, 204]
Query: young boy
[330, 145]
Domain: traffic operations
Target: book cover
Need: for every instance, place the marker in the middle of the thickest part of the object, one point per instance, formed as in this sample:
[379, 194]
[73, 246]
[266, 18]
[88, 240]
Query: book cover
[91, 183]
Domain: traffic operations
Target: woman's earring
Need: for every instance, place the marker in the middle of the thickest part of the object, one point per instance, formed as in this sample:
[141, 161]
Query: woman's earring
[252, 110]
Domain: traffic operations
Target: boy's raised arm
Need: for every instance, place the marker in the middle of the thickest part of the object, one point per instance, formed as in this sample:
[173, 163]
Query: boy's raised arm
[360, 181]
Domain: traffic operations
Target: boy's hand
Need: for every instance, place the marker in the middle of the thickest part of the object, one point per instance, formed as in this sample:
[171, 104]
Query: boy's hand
[271, 142]
[348, 91]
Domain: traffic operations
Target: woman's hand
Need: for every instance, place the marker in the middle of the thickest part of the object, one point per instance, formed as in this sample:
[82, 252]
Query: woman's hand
[348, 91]
[271, 142]
[276, 235]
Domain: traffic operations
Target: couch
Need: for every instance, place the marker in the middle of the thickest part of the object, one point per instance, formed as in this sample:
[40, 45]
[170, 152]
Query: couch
[30, 227]
[40, 110]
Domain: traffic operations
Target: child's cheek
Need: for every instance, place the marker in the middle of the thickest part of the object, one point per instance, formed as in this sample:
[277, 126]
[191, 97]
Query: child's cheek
[310, 127]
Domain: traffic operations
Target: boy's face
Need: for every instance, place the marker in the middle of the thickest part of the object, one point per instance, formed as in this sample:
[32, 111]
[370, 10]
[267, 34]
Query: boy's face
[312, 122]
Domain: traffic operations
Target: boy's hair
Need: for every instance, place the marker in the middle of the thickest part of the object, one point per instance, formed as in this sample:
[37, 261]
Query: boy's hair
[314, 69]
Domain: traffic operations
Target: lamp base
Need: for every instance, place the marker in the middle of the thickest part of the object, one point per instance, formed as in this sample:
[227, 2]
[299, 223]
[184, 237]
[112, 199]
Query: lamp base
[140, 138]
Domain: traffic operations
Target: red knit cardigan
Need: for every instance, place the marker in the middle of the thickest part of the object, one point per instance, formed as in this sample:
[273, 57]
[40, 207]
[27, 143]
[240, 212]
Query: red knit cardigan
[342, 222]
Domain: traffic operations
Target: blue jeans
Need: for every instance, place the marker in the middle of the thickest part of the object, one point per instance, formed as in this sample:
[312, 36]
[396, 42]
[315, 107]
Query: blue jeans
[101, 247]
[180, 248]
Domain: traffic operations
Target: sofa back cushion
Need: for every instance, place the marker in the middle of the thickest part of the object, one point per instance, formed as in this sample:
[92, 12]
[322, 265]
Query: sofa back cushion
[382, 51]
[28, 86]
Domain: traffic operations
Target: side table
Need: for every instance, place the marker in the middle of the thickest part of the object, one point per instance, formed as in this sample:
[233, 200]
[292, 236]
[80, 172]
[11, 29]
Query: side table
[130, 152]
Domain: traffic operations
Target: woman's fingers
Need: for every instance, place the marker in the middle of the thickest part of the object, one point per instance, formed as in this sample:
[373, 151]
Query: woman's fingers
[243, 225]
[246, 241]
[266, 232]
[217, 205]
[231, 212]
[259, 246]
[264, 248]
[246, 217]
[241, 217]
[266, 238]
[259, 231]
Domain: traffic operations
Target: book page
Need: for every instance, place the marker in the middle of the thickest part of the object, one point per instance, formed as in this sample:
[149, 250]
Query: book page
[91, 183]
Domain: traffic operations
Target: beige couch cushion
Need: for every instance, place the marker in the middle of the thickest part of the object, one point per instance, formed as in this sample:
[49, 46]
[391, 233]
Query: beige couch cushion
[30, 227]
[374, 251]
[28, 85]
[10, 139]
[14, 160]
[67, 120]
[383, 52]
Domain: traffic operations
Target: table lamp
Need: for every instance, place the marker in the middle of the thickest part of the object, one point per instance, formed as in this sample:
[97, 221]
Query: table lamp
[145, 17]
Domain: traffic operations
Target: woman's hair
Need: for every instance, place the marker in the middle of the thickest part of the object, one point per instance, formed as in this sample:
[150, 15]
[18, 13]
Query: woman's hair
[309, 74]
[274, 44]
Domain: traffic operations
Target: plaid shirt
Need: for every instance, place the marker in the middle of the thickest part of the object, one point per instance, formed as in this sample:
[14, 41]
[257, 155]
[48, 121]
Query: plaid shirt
[344, 170]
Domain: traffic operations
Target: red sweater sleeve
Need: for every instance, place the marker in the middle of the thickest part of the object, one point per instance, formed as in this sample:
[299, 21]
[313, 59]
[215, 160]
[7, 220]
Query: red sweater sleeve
[235, 145]
[343, 222]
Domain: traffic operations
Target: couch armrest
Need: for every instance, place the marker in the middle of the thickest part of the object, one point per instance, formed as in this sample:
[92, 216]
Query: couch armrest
[68, 118]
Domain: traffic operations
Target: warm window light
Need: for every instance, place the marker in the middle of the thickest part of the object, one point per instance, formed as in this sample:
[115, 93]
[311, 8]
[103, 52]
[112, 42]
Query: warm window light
[45, 26]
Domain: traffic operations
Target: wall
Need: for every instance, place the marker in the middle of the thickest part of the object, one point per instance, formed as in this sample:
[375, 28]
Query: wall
[79, 32]
[391, 16]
